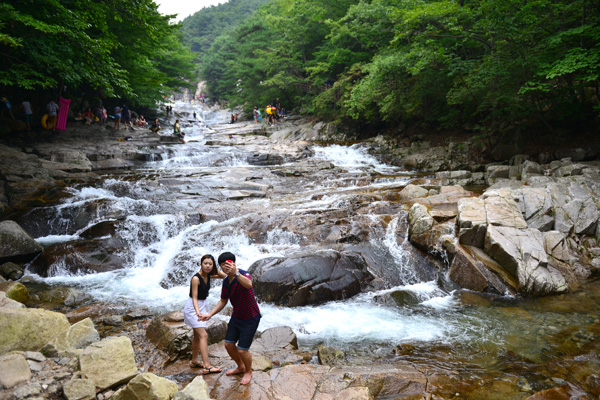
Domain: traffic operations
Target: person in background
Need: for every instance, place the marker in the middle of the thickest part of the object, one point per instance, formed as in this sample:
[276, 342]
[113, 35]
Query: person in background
[196, 307]
[5, 105]
[126, 116]
[52, 109]
[28, 111]
[104, 115]
[237, 288]
[155, 127]
[142, 122]
[177, 131]
[117, 125]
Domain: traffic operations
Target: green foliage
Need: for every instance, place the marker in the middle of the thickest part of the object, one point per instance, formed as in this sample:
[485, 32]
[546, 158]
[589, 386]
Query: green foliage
[202, 28]
[495, 64]
[122, 48]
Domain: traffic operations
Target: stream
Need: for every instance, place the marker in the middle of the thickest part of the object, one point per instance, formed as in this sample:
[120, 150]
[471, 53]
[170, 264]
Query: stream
[158, 219]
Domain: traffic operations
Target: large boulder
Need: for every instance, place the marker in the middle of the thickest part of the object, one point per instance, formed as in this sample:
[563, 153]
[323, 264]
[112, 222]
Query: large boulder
[147, 386]
[472, 269]
[109, 363]
[521, 252]
[16, 244]
[419, 225]
[471, 221]
[574, 207]
[310, 279]
[29, 329]
[536, 207]
[169, 333]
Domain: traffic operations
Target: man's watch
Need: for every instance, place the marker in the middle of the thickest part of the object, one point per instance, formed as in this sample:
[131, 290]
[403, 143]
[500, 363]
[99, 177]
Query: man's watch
[237, 274]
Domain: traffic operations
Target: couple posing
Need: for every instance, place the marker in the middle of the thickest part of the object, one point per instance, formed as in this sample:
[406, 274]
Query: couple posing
[237, 288]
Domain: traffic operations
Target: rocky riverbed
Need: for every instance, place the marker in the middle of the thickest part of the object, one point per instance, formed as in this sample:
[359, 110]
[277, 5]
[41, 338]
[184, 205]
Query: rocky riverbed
[524, 251]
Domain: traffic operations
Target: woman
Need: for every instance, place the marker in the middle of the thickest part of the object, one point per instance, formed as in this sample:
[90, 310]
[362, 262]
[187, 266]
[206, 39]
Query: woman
[196, 307]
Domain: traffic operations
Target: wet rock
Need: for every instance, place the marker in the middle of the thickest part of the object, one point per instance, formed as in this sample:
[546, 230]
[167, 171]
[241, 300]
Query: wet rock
[30, 329]
[330, 356]
[400, 298]
[109, 363]
[169, 333]
[472, 269]
[14, 369]
[113, 320]
[11, 271]
[147, 386]
[16, 244]
[62, 296]
[420, 224]
[280, 337]
[310, 278]
[15, 291]
[412, 192]
[82, 257]
[260, 362]
[80, 389]
[558, 393]
[264, 159]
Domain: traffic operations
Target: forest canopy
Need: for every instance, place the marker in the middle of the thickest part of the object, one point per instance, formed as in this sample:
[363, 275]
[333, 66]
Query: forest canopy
[123, 49]
[490, 64]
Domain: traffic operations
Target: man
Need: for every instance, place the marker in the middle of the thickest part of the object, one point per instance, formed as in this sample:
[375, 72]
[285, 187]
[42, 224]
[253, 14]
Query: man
[242, 326]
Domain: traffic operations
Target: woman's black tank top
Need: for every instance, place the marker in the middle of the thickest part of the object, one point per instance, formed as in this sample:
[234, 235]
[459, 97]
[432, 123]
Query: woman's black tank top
[203, 288]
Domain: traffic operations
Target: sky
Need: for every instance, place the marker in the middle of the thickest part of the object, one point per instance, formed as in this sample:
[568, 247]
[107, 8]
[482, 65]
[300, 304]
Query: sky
[184, 8]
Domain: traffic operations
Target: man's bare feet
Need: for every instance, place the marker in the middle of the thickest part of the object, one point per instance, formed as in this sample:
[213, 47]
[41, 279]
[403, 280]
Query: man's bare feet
[235, 371]
[246, 378]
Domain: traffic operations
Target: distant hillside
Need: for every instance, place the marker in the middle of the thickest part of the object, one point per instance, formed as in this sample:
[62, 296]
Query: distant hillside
[202, 28]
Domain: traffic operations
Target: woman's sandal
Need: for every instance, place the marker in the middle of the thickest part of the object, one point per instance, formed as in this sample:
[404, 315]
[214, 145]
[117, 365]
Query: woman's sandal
[196, 365]
[211, 370]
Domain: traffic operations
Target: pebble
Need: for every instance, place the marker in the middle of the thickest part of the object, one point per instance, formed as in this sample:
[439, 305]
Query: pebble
[35, 356]
[35, 366]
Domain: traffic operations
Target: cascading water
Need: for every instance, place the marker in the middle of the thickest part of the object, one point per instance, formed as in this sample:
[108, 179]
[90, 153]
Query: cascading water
[155, 211]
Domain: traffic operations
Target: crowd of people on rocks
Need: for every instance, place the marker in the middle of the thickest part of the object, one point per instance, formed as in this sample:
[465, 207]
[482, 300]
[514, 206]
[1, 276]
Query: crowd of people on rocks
[273, 112]
[122, 117]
